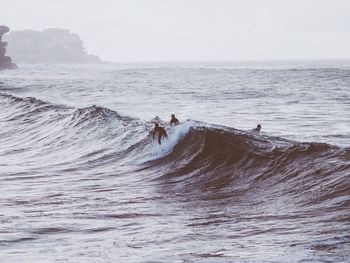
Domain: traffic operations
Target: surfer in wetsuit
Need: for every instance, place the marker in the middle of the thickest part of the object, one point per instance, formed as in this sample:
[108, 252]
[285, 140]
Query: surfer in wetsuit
[161, 132]
[257, 129]
[174, 120]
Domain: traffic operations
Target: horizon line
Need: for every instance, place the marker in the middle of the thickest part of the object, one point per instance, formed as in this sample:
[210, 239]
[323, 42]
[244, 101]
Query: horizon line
[229, 60]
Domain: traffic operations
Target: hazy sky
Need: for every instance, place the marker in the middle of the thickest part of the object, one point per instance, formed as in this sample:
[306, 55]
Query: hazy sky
[163, 30]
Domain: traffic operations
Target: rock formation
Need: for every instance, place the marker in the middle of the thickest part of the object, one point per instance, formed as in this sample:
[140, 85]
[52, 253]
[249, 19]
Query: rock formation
[48, 46]
[5, 61]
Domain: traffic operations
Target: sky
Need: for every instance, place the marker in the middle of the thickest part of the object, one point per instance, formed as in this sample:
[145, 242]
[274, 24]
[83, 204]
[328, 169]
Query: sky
[193, 30]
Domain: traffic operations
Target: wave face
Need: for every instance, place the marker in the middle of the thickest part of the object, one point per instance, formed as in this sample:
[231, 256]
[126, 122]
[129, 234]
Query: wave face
[236, 162]
[72, 177]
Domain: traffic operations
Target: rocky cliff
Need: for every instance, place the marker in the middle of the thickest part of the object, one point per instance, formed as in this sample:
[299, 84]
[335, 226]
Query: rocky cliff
[48, 46]
[5, 61]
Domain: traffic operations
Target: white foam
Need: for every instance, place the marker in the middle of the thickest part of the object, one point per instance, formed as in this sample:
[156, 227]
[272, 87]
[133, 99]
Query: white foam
[175, 134]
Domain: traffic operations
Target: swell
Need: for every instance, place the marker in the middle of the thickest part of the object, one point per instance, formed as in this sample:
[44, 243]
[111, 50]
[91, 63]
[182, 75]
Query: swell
[49, 135]
[40, 136]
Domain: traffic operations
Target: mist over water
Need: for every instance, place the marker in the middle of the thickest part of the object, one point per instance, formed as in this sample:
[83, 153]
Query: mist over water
[82, 180]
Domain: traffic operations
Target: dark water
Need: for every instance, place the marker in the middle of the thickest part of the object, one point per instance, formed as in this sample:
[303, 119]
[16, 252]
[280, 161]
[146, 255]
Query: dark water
[87, 183]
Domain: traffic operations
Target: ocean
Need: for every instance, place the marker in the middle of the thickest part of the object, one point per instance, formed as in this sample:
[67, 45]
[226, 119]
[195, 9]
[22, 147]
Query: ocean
[83, 180]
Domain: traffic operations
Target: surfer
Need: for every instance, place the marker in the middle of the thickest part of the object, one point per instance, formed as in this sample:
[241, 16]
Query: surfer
[161, 132]
[257, 129]
[174, 120]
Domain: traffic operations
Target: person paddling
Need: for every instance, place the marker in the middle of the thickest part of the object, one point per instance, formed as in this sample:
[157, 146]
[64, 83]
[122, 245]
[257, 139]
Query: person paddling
[161, 132]
[174, 120]
[258, 128]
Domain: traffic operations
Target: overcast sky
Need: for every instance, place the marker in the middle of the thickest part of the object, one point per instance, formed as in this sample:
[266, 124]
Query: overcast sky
[164, 30]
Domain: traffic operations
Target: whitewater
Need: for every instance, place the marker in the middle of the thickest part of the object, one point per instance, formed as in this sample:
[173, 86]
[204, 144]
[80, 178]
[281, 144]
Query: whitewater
[82, 179]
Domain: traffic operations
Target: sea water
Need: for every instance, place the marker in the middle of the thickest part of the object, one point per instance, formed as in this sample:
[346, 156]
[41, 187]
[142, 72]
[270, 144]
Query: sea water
[82, 179]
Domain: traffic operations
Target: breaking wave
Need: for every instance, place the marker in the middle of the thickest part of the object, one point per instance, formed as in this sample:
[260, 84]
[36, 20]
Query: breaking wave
[195, 155]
